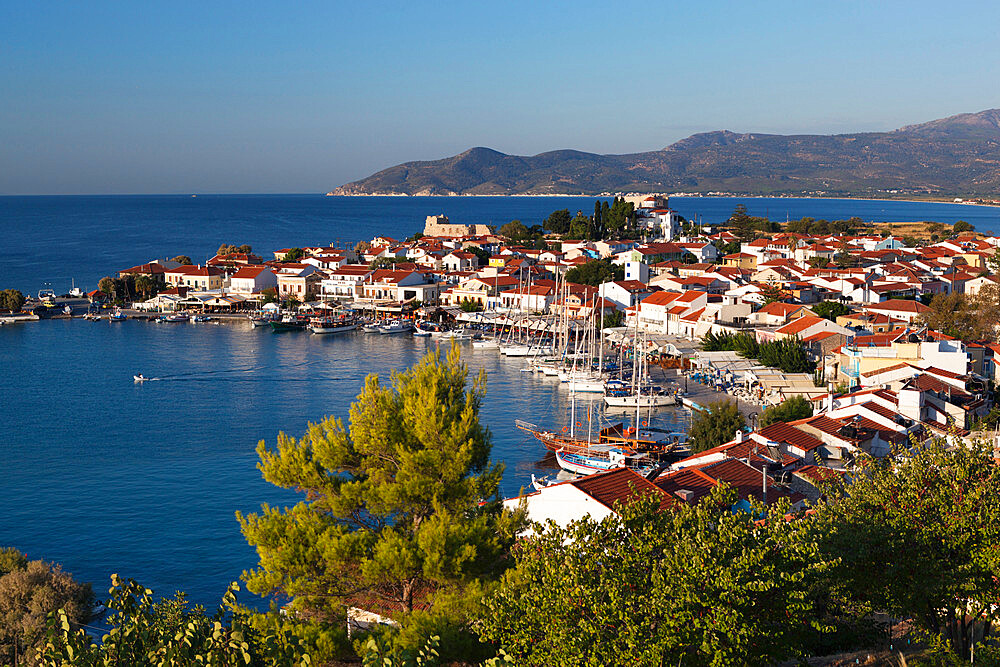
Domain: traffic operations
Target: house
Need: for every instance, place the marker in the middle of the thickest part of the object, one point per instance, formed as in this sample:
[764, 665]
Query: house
[625, 293]
[154, 270]
[344, 283]
[593, 495]
[898, 309]
[458, 260]
[661, 312]
[779, 313]
[399, 286]
[252, 280]
[808, 326]
[196, 277]
[302, 285]
[741, 260]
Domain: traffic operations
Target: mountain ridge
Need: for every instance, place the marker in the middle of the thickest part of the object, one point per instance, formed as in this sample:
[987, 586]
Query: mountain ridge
[957, 155]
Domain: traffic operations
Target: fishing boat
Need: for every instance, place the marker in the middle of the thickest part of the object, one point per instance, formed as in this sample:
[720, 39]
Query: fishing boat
[454, 334]
[372, 327]
[605, 457]
[396, 326]
[260, 320]
[176, 317]
[117, 316]
[139, 378]
[201, 318]
[331, 326]
[424, 329]
[289, 323]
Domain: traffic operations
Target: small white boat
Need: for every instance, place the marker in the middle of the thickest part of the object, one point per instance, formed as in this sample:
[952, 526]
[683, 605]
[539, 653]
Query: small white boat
[177, 317]
[640, 401]
[139, 378]
[372, 327]
[396, 326]
[588, 384]
[486, 344]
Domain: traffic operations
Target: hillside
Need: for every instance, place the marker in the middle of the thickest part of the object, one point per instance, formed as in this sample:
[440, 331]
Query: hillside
[959, 155]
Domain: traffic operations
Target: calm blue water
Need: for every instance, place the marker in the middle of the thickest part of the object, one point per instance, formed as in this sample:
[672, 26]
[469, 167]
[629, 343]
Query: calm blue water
[106, 476]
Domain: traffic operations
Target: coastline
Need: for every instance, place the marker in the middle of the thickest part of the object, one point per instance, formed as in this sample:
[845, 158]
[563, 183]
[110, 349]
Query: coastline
[677, 195]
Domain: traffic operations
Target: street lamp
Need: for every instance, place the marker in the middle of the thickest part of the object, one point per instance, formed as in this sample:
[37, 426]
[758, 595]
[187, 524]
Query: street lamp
[753, 421]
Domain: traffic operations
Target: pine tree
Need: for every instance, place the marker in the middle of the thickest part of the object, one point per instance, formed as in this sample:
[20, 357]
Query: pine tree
[401, 513]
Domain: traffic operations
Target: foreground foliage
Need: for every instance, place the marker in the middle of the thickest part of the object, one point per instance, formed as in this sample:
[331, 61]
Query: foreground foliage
[29, 592]
[919, 537]
[147, 633]
[401, 514]
[699, 585]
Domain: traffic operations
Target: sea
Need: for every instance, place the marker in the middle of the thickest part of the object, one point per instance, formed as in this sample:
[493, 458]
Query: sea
[107, 476]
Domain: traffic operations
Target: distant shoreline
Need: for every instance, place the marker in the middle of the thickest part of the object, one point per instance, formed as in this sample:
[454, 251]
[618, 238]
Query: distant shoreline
[693, 196]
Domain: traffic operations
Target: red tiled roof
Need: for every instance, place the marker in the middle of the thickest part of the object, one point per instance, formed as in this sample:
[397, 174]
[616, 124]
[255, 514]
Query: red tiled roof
[800, 324]
[818, 475]
[900, 306]
[782, 432]
[250, 271]
[621, 485]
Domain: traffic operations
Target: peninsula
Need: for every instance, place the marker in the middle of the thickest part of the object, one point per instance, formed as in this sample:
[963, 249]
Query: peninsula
[955, 156]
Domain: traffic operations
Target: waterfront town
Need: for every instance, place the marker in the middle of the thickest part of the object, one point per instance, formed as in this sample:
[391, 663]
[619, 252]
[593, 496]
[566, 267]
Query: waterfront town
[814, 353]
[875, 373]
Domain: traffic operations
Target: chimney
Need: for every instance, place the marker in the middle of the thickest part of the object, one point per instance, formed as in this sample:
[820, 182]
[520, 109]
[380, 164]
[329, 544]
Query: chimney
[739, 436]
[685, 494]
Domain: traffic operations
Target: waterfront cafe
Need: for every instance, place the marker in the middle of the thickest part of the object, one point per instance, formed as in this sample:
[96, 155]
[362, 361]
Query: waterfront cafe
[208, 302]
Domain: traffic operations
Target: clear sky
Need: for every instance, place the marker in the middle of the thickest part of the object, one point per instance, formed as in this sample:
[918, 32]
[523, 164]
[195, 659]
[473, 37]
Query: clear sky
[212, 96]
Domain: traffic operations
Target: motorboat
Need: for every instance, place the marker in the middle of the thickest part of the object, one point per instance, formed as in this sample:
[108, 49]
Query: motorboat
[290, 323]
[396, 326]
[177, 317]
[332, 326]
[486, 344]
[424, 329]
[139, 378]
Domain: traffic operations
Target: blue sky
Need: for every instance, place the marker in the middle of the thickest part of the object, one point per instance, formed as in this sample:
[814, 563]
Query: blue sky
[126, 97]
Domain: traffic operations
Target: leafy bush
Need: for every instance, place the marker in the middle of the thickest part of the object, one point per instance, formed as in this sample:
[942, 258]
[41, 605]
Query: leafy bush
[716, 426]
[797, 407]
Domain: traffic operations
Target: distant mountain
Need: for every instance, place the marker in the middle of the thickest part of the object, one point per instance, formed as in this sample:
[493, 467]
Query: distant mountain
[959, 155]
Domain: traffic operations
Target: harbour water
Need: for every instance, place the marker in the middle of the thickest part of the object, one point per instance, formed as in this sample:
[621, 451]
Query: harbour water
[104, 475]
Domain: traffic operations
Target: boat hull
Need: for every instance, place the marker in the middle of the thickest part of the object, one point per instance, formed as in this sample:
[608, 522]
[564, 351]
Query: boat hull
[640, 401]
[320, 329]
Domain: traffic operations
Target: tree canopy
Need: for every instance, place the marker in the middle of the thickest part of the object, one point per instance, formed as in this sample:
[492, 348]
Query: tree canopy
[515, 230]
[962, 226]
[230, 249]
[830, 310]
[595, 272]
[11, 299]
[715, 426]
[183, 260]
[401, 512]
[558, 221]
[294, 254]
[917, 536]
[694, 585]
[797, 407]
